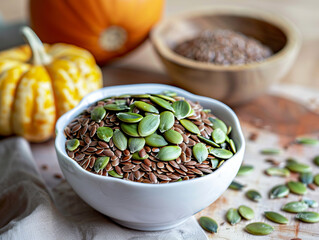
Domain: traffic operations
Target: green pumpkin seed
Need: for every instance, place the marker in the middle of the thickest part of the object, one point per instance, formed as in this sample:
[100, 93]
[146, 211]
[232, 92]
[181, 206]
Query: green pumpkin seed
[221, 153]
[167, 121]
[307, 141]
[155, 140]
[190, 126]
[253, 195]
[100, 163]
[232, 145]
[208, 141]
[162, 103]
[115, 107]
[119, 140]
[217, 123]
[104, 133]
[306, 178]
[173, 136]
[275, 171]
[168, 98]
[140, 96]
[114, 174]
[200, 152]
[136, 144]
[246, 212]
[218, 136]
[308, 217]
[191, 113]
[129, 117]
[310, 203]
[207, 111]
[316, 179]
[148, 125]
[271, 151]
[245, 170]
[169, 153]
[72, 144]
[229, 130]
[259, 228]
[170, 93]
[220, 163]
[298, 167]
[97, 114]
[316, 160]
[236, 186]
[276, 217]
[120, 102]
[295, 207]
[145, 107]
[279, 191]
[122, 96]
[130, 129]
[208, 224]
[136, 156]
[291, 160]
[233, 216]
[182, 109]
[214, 163]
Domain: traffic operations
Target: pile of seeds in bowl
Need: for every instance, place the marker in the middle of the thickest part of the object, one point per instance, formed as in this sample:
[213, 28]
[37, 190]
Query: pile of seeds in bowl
[149, 138]
[223, 47]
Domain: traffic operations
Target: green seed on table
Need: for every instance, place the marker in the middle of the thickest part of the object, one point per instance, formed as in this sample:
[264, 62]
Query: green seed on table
[308, 217]
[295, 207]
[173, 136]
[119, 140]
[162, 103]
[298, 167]
[279, 191]
[114, 174]
[316, 160]
[97, 114]
[136, 144]
[233, 216]
[276, 217]
[297, 187]
[140, 96]
[115, 107]
[307, 141]
[169, 153]
[232, 145]
[167, 121]
[244, 170]
[217, 123]
[189, 126]
[72, 144]
[182, 109]
[275, 171]
[129, 117]
[208, 141]
[246, 212]
[270, 151]
[316, 179]
[221, 153]
[200, 152]
[310, 203]
[136, 156]
[130, 129]
[155, 140]
[148, 125]
[145, 107]
[104, 133]
[291, 160]
[170, 93]
[208, 224]
[236, 186]
[259, 228]
[218, 136]
[168, 98]
[253, 195]
[306, 178]
[100, 163]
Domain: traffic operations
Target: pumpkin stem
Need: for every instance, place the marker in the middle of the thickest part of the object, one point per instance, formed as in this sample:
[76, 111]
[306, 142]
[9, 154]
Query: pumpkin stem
[39, 56]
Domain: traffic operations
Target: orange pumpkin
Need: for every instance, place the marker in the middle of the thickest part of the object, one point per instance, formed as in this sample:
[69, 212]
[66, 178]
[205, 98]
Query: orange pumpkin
[107, 28]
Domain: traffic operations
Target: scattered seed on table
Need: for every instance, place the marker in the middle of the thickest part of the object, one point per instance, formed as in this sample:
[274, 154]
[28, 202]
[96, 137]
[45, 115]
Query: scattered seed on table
[208, 224]
[57, 176]
[259, 228]
[245, 170]
[270, 151]
[310, 203]
[233, 216]
[297, 187]
[276, 217]
[316, 160]
[246, 212]
[295, 207]
[253, 195]
[306, 177]
[275, 171]
[307, 141]
[279, 191]
[308, 217]
[298, 167]
[316, 180]
[236, 186]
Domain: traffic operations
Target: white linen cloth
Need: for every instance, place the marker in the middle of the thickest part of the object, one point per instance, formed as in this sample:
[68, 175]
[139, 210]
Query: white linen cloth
[29, 210]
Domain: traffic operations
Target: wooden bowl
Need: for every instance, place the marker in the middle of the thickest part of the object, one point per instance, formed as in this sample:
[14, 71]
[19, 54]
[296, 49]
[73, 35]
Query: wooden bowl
[232, 84]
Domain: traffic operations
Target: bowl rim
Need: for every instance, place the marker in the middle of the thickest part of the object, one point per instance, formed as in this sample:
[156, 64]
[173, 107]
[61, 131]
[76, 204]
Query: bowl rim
[286, 26]
[95, 96]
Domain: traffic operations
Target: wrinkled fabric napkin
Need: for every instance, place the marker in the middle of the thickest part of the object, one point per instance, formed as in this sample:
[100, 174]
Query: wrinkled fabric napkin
[29, 210]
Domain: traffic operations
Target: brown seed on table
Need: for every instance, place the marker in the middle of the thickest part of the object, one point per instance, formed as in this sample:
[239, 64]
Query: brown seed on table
[70, 154]
[312, 186]
[99, 151]
[188, 152]
[92, 161]
[57, 176]
[131, 177]
[253, 136]
[147, 149]
[83, 130]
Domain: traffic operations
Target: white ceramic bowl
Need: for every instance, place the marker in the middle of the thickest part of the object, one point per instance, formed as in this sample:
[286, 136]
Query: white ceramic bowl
[148, 206]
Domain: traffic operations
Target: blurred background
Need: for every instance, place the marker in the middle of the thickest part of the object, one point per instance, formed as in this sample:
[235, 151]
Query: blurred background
[304, 13]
